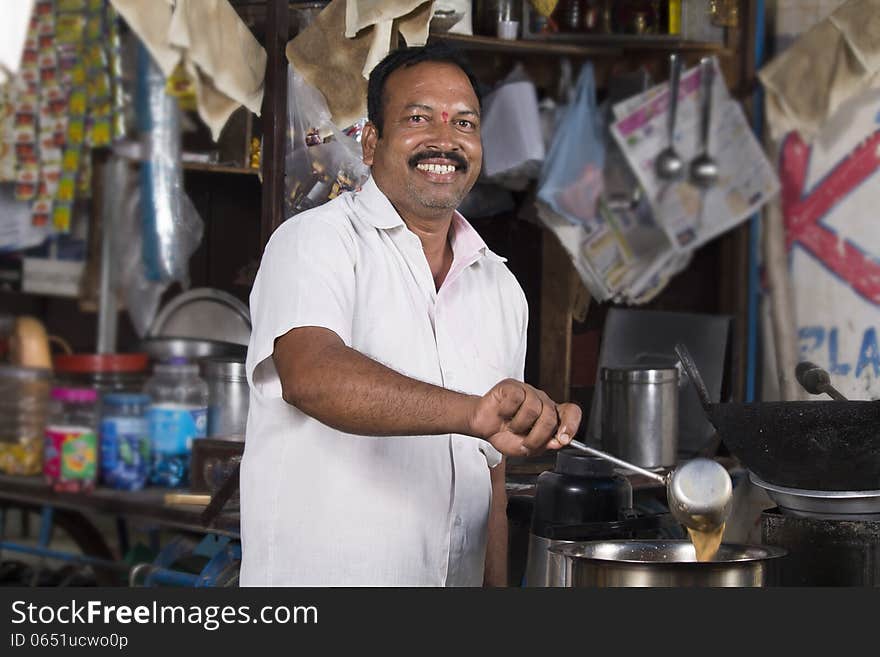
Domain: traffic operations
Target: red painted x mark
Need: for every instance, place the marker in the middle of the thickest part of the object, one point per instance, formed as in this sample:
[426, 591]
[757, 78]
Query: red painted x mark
[803, 212]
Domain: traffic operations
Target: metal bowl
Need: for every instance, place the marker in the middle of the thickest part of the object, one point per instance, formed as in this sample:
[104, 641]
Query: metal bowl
[193, 348]
[662, 563]
[832, 504]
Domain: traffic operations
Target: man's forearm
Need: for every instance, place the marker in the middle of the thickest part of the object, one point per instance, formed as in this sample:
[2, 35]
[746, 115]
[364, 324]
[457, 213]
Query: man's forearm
[353, 393]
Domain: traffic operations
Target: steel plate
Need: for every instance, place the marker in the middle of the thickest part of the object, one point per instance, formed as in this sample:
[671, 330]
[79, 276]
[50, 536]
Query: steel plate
[836, 504]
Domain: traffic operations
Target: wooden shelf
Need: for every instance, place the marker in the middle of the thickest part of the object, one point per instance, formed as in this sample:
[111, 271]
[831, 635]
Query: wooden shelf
[219, 168]
[525, 47]
[586, 45]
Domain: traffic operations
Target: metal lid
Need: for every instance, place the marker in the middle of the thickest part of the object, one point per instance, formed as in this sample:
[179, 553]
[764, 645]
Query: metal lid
[226, 368]
[93, 363]
[640, 374]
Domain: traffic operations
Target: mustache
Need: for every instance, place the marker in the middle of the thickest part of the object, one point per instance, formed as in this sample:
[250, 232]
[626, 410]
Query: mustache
[452, 156]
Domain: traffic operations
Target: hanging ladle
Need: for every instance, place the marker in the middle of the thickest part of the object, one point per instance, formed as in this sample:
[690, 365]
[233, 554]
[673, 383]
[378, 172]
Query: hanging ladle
[704, 168]
[669, 164]
[816, 381]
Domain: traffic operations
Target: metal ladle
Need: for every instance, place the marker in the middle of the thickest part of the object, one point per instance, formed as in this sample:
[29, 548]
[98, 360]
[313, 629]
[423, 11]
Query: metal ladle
[699, 492]
[668, 163]
[704, 168]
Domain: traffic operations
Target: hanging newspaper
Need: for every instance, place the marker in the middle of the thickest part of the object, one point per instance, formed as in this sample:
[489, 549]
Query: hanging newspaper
[640, 238]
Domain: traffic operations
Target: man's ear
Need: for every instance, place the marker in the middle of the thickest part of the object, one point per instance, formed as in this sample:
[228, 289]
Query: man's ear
[369, 137]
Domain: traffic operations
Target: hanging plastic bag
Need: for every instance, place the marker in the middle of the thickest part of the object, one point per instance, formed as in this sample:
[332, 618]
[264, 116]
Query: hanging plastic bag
[322, 160]
[169, 235]
[513, 143]
[571, 179]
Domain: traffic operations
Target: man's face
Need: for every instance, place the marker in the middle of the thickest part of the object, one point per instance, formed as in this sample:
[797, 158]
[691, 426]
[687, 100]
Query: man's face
[429, 155]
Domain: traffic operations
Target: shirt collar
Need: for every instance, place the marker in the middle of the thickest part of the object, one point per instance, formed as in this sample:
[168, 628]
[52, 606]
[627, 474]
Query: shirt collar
[375, 209]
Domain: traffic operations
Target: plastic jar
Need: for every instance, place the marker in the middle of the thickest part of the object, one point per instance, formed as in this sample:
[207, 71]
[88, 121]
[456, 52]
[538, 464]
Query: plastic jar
[178, 415]
[125, 440]
[103, 372]
[24, 402]
[70, 457]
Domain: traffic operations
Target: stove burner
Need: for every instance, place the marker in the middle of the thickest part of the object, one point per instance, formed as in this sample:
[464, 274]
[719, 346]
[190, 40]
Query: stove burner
[832, 505]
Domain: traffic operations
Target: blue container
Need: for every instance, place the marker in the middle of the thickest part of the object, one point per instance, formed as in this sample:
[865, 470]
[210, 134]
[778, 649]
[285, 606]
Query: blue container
[125, 441]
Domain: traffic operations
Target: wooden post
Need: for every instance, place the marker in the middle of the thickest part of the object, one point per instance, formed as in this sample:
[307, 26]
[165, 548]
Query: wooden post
[559, 288]
[274, 118]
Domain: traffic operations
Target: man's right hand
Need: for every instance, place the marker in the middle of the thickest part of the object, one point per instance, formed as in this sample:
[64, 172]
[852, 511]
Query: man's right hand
[519, 420]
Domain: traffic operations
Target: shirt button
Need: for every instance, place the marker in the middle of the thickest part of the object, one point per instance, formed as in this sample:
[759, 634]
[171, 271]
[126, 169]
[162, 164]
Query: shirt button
[457, 521]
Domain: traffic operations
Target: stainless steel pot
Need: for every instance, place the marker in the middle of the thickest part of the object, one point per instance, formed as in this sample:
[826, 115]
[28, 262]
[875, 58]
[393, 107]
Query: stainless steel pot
[228, 396]
[662, 563]
[542, 567]
[640, 414]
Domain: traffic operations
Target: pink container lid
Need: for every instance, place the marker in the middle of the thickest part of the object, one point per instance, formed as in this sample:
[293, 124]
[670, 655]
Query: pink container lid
[75, 394]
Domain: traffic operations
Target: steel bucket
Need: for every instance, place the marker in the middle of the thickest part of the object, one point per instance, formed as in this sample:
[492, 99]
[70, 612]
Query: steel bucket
[663, 563]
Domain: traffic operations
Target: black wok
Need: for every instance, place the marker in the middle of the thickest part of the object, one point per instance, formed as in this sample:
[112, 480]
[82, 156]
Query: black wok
[811, 445]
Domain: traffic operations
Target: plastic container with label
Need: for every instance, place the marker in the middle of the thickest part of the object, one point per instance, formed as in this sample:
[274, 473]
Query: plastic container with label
[125, 440]
[178, 414]
[70, 456]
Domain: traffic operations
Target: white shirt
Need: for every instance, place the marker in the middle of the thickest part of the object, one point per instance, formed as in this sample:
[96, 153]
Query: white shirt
[320, 507]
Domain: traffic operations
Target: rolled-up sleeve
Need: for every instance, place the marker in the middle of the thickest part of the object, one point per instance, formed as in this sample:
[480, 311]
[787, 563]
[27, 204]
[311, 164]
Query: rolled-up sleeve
[306, 278]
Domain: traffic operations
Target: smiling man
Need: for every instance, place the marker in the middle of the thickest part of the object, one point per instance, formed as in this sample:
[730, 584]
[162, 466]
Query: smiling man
[386, 363]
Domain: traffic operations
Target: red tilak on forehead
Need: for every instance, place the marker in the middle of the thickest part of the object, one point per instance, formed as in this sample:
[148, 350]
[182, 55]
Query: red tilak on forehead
[445, 117]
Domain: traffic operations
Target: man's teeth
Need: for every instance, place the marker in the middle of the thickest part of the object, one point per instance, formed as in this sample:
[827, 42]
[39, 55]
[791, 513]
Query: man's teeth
[436, 168]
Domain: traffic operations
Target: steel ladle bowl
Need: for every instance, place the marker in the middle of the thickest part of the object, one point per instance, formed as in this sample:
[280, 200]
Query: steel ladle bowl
[699, 492]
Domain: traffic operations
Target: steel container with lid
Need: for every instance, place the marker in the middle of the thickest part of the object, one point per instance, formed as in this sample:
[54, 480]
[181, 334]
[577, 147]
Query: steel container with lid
[640, 414]
[228, 396]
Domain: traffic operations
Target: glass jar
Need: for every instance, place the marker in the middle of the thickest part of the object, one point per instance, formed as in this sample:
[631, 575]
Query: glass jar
[24, 401]
[125, 440]
[103, 372]
[70, 457]
[178, 414]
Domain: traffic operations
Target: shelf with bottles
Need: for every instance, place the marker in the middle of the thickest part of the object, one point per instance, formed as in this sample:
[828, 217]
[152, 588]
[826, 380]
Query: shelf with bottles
[582, 45]
[594, 28]
[236, 151]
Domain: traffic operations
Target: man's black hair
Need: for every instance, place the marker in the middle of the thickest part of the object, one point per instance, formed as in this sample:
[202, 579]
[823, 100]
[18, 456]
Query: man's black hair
[435, 52]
